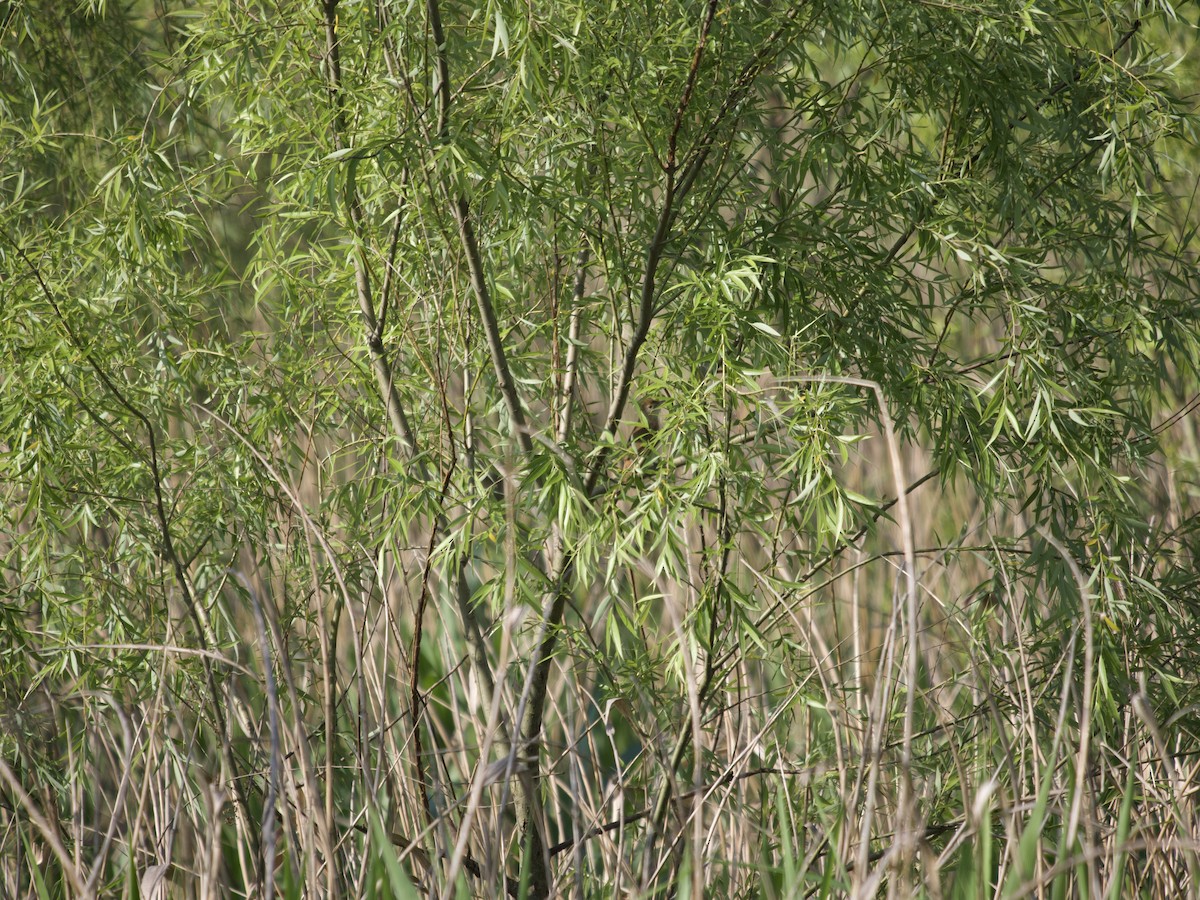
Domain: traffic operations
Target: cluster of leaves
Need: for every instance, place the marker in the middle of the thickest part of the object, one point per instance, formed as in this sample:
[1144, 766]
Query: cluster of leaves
[387, 383]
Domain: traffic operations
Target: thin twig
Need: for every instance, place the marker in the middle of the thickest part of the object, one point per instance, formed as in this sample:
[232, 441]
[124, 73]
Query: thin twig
[416, 703]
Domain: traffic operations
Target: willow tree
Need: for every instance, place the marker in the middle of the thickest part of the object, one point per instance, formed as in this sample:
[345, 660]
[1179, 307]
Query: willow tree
[606, 447]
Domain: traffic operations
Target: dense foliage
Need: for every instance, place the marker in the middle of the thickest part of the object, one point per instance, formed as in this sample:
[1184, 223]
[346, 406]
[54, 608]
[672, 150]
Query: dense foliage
[730, 446]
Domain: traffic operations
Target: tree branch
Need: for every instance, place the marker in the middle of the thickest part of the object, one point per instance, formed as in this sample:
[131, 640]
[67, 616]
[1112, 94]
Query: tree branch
[362, 274]
[674, 193]
[466, 232]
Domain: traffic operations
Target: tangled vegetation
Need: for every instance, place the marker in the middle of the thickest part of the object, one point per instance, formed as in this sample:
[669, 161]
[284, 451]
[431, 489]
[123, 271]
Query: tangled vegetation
[730, 447]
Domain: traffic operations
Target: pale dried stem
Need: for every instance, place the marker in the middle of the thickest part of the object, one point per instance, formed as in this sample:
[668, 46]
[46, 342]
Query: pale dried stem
[49, 834]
